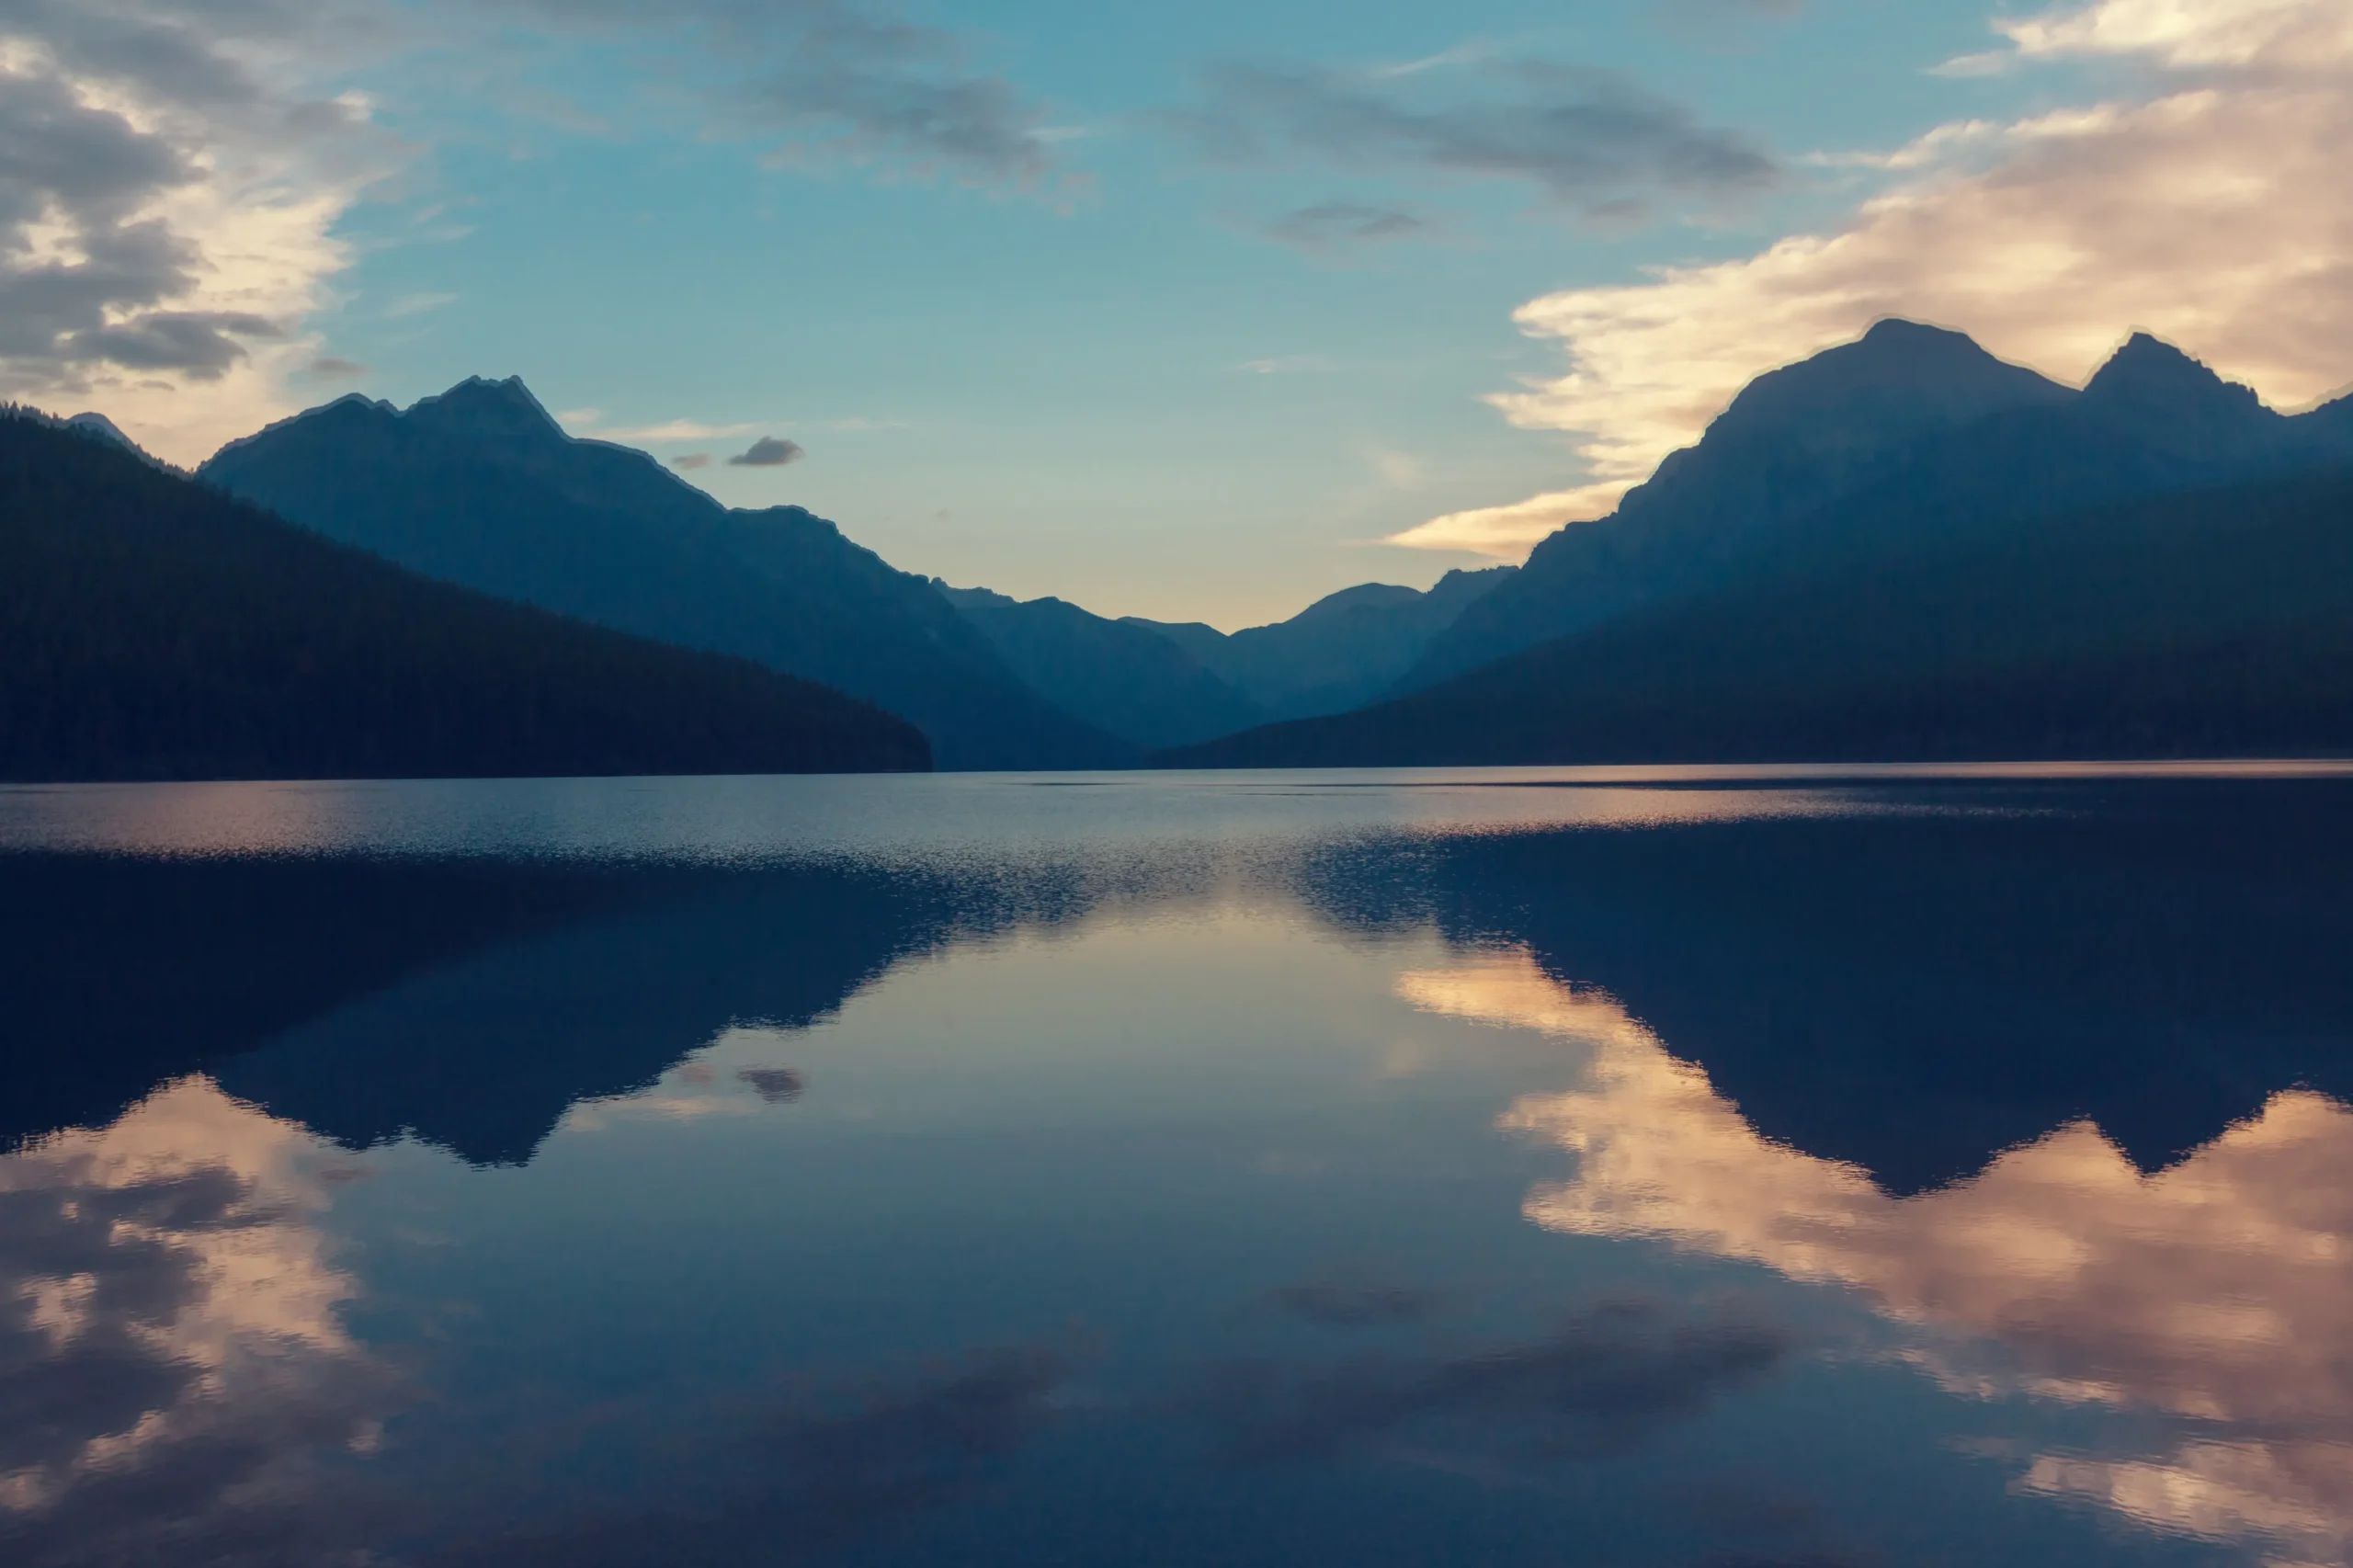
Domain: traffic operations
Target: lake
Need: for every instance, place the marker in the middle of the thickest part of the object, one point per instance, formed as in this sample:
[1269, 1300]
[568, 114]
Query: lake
[1562, 1166]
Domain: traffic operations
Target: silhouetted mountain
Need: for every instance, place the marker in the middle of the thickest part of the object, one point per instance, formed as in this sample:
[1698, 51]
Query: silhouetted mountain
[1340, 651]
[479, 486]
[1909, 435]
[2215, 623]
[1916, 991]
[151, 628]
[1119, 677]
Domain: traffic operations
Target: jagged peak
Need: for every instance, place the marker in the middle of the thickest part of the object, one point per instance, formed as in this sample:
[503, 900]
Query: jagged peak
[504, 406]
[2150, 372]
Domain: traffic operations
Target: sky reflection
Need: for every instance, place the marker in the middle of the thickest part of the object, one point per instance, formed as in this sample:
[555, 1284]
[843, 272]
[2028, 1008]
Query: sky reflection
[2215, 1291]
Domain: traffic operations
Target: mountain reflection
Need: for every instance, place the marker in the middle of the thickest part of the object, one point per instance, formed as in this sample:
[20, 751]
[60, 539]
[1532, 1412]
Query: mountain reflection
[2217, 1292]
[466, 1002]
[1914, 991]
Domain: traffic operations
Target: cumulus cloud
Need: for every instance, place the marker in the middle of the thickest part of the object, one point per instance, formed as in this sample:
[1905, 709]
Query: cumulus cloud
[172, 172]
[691, 462]
[2212, 212]
[169, 179]
[769, 451]
[1591, 140]
[327, 368]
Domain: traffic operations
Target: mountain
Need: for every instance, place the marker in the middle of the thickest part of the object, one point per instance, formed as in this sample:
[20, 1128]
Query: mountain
[1911, 428]
[1340, 651]
[1121, 676]
[153, 628]
[479, 486]
[2217, 622]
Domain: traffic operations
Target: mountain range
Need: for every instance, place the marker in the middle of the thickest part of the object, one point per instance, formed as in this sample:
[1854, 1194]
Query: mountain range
[153, 628]
[479, 486]
[1164, 683]
[1904, 547]
[1901, 546]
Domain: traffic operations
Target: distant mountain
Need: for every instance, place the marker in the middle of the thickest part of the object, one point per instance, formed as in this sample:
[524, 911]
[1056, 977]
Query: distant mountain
[1911, 434]
[152, 627]
[2216, 622]
[1340, 651]
[479, 486]
[1122, 677]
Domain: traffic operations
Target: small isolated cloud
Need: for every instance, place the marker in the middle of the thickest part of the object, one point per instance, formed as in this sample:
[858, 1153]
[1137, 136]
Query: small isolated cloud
[418, 305]
[1338, 225]
[769, 451]
[2213, 211]
[1286, 365]
[1592, 140]
[691, 462]
[327, 368]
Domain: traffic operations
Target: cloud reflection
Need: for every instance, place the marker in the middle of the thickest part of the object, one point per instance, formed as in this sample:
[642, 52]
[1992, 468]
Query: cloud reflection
[1599, 1384]
[172, 1363]
[2214, 1292]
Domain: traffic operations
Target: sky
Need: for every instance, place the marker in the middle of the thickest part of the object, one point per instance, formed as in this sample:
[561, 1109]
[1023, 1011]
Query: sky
[1194, 311]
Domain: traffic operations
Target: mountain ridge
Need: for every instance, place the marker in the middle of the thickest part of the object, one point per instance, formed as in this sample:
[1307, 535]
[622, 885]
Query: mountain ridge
[479, 486]
[151, 627]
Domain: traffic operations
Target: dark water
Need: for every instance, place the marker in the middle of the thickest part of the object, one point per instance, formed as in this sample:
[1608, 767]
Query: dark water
[1341, 1169]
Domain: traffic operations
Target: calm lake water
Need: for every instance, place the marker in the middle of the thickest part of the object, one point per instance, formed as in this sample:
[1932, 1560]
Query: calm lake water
[1572, 1167]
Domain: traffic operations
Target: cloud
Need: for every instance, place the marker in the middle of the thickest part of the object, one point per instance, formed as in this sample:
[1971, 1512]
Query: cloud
[837, 79]
[1591, 140]
[691, 462]
[1337, 225]
[833, 1467]
[769, 451]
[1601, 1382]
[418, 305]
[1506, 532]
[172, 172]
[775, 1086]
[330, 369]
[677, 430]
[168, 185]
[2214, 212]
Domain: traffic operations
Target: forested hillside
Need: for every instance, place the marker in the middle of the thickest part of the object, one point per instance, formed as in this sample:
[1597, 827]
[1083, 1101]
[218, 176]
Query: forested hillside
[153, 628]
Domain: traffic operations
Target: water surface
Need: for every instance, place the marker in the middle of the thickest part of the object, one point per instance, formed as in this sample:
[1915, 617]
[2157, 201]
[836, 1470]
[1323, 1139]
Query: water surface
[1681, 1167]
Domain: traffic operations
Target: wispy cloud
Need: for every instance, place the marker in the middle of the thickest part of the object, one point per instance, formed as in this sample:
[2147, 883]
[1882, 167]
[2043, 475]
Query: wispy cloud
[1592, 141]
[1332, 226]
[418, 305]
[824, 80]
[677, 430]
[2213, 211]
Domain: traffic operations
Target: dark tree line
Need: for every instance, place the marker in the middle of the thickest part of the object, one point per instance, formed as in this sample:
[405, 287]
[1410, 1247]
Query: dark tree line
[151, 627]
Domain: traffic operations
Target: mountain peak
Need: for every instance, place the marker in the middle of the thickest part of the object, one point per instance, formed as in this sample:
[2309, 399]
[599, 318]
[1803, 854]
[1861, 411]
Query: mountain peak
[2150, 378]
[1898, 378]
[480, 406]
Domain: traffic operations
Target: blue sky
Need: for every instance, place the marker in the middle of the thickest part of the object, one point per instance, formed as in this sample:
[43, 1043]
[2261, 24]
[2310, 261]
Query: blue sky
[1181, 312]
